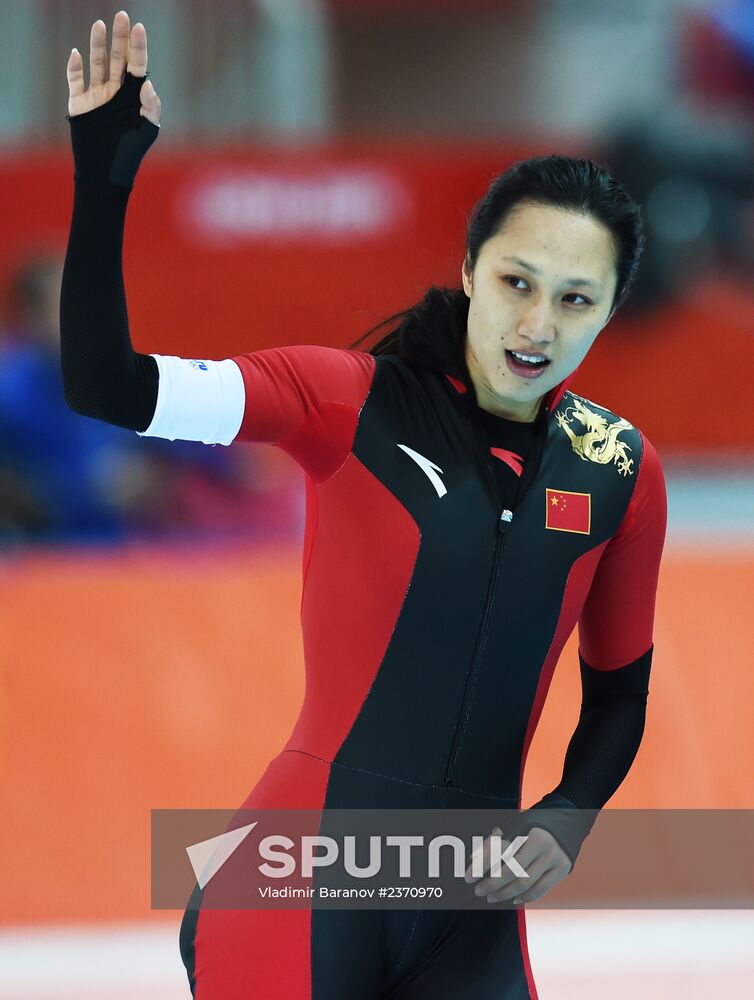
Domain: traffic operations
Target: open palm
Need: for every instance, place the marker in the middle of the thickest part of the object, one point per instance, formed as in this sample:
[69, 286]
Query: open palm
[129, 52]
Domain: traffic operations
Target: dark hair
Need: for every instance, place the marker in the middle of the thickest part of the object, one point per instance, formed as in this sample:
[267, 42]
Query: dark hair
[433, 332]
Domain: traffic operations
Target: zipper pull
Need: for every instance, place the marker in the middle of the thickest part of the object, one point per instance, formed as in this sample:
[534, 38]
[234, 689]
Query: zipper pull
[505, 519]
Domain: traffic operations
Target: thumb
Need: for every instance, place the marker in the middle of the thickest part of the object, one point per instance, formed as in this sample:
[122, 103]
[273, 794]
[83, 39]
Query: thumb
[151, 105]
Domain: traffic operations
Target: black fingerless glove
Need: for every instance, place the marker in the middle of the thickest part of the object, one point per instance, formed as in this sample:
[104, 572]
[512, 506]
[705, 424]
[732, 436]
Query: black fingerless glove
[568, 824]
[103, 377]
[110, 142]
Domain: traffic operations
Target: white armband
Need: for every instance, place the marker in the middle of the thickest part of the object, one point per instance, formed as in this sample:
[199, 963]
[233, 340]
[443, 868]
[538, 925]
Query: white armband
[197, 400]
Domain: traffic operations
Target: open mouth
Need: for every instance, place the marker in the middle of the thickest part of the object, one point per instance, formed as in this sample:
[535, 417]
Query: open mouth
[526, 365]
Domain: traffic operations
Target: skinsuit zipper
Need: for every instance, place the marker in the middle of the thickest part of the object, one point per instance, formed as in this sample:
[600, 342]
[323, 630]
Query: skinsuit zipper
[531, 467]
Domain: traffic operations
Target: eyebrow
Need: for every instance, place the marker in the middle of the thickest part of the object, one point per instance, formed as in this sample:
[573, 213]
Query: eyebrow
[535, 270]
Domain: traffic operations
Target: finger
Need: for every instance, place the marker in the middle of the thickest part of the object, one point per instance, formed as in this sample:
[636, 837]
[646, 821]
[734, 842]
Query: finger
[500, 845]
[98, 54]
[508, 882]
[137, 50]
[75, 73]
[150, 102]
[481, 858]
[518, 886]
[544, 843]
[119, 50]
[542, 886]
[530, 858]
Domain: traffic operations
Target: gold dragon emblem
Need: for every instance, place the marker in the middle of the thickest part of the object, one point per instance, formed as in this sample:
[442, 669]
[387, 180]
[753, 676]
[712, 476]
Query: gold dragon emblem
[599, 440]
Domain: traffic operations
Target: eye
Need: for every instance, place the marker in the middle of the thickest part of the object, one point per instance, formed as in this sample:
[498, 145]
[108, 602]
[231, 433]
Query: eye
[513, 278]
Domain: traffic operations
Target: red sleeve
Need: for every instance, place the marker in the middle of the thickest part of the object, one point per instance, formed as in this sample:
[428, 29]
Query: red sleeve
[306, 400]
[616, 623]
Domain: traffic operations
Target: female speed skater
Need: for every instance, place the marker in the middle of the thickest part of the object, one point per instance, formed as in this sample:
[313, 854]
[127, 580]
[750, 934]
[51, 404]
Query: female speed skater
[466, 510]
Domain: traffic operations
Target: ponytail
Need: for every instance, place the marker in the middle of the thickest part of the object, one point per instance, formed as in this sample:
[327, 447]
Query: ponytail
[432, 333]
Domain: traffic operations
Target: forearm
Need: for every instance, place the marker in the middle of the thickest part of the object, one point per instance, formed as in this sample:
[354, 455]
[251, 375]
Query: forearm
[609, 732]
[599, 755]
[103, 376]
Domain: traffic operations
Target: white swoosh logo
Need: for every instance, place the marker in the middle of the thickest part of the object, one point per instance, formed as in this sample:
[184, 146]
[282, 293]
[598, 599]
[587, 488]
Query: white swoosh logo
[428, 468]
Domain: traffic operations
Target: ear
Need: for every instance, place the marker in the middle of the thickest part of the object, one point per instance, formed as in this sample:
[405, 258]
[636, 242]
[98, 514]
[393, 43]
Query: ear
[466, 278]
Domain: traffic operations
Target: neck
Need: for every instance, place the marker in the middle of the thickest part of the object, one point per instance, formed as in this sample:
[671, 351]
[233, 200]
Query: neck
[523, 412]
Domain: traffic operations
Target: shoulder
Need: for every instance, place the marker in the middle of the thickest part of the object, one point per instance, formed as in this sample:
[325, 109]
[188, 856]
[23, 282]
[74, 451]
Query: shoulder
[632, 451]
[596, 427]
[591, 413]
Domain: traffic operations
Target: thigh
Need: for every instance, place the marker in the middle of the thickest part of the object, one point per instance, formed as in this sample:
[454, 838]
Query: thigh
[248, 954]
[463, 954]
[275, 954]
[254, 954]
[347, 954]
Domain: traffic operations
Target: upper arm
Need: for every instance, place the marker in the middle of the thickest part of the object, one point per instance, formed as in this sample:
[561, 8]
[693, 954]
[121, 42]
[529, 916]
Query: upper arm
[197, 400]
[305, 399]
[617, 620]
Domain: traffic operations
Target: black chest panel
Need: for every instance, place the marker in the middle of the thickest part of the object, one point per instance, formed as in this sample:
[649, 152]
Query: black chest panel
[453, 696]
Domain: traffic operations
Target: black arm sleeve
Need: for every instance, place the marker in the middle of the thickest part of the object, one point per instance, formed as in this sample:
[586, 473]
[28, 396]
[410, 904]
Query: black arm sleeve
[103, 376]
[599, 756]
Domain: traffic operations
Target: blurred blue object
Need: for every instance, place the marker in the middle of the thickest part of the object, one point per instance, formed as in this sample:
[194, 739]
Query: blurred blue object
[736, 19]
[64, 461]
[68, 478]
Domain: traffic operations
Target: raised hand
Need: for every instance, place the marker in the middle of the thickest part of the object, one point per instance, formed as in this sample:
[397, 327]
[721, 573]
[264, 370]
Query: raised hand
[129, 52]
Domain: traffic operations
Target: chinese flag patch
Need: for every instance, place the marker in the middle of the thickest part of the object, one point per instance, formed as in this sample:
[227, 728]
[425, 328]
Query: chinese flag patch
[568, 511]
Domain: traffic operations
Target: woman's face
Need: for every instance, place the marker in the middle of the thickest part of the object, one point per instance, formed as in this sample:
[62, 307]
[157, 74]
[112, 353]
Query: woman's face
[542, 286]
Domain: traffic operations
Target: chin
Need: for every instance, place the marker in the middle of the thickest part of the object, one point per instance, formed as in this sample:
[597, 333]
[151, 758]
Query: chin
[524, 393]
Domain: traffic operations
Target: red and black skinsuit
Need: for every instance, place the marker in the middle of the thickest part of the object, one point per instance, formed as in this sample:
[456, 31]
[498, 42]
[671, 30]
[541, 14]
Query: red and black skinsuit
[432, 626]
[438, 592]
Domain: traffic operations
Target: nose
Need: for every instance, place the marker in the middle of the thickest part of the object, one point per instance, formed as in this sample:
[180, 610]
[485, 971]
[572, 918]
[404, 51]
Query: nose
[537, 324]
